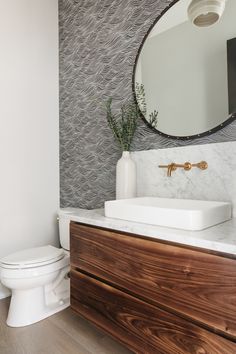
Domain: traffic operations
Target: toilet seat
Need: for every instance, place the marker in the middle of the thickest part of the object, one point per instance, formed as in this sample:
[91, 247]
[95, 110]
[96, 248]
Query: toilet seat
[36, 270]
[32, 257]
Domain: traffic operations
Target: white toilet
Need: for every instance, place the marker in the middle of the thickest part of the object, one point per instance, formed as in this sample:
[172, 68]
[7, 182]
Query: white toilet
[38, 279]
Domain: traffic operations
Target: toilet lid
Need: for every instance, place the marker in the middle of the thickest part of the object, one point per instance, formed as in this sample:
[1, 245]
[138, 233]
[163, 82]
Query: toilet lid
[33, 257]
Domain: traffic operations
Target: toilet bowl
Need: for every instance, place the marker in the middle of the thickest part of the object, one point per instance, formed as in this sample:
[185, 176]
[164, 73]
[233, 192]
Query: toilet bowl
[38, 279]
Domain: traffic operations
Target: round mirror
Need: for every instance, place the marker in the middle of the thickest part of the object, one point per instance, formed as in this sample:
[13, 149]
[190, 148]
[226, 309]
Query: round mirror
[185, 71]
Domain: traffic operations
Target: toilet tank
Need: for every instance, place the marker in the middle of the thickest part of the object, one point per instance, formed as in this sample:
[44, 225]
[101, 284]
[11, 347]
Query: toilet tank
[64, 228]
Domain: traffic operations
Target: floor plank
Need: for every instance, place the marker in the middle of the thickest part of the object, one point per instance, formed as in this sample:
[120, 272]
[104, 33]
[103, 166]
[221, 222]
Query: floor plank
[63, 333]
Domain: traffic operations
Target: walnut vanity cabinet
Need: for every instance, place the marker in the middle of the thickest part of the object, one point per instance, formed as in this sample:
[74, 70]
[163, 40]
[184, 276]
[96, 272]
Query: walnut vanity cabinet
[154, 296]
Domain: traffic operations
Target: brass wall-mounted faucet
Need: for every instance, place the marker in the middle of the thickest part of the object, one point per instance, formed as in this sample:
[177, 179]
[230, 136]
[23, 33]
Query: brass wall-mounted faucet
[186, 166]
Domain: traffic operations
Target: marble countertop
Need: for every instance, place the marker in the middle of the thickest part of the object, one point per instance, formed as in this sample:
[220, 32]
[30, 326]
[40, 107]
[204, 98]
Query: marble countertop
[220, 238]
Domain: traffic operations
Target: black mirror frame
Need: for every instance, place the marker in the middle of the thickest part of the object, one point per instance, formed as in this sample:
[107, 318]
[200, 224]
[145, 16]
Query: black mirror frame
[230, 119]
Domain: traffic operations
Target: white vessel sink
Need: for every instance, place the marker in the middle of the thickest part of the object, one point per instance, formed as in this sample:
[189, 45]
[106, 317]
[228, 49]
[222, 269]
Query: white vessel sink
[178, 213]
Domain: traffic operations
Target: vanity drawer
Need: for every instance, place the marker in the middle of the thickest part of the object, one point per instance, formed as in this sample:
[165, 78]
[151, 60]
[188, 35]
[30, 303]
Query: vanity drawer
[189, 282]
[142, 327]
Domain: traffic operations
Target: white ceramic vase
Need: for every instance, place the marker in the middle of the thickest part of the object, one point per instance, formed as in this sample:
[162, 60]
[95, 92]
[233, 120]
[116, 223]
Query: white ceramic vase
[125, 177]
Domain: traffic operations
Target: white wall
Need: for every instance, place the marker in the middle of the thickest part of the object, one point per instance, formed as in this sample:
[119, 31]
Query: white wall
[29, 124]
[176, 15]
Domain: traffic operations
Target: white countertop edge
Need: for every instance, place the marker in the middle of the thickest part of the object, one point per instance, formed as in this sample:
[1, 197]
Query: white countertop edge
[221, 238]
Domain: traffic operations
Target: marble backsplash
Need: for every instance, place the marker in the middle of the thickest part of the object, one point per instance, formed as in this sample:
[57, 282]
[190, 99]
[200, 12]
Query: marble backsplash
[217, 183]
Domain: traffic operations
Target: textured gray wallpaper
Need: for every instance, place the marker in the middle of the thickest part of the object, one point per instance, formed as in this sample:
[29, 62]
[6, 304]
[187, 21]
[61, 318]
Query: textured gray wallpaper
[99, 40]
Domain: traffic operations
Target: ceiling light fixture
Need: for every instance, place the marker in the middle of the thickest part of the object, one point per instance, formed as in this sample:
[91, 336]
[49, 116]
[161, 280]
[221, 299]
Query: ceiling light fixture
[204, 13]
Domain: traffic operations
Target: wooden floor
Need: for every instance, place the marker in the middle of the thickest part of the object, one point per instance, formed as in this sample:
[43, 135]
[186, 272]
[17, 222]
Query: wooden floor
[63, 333]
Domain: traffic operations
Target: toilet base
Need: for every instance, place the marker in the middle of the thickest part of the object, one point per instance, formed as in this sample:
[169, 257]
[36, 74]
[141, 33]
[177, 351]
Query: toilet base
[31, 306]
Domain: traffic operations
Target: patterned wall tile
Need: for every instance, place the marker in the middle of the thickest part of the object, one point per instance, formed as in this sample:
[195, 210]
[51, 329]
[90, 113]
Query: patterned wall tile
[99, 40]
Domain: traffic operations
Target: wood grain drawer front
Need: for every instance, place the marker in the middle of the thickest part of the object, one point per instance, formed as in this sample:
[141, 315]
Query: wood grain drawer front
[140, 326]
[195, 284]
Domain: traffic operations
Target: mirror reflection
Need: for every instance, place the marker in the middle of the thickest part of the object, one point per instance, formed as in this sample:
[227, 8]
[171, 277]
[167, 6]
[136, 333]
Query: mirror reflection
[186, 70]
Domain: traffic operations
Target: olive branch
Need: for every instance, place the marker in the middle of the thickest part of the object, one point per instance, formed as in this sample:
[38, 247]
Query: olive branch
[140, 97]
[124, 124]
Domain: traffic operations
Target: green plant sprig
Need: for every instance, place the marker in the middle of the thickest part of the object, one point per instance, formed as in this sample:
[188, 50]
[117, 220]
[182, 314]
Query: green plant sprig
[124, 124]
[140, 97]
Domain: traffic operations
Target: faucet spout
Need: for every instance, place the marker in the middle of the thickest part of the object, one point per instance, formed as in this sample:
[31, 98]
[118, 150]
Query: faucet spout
[172, 167]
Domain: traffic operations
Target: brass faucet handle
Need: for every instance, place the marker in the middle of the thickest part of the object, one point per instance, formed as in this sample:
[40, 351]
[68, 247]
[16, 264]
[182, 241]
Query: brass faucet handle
[203, 165]
[187, 166]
